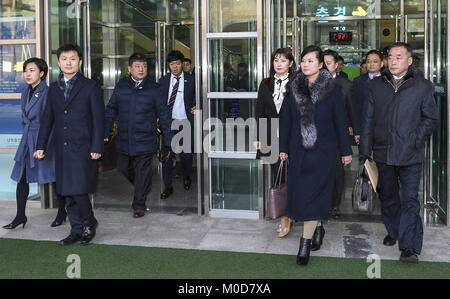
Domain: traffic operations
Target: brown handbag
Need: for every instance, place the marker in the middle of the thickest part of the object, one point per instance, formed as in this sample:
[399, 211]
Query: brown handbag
[276, 206]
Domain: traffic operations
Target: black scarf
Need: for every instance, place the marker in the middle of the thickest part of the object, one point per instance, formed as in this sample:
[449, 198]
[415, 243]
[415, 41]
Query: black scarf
[306, 98]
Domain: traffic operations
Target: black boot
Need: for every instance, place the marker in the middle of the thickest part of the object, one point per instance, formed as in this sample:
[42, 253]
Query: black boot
[62, 214]
[317, 239]
[303, 252]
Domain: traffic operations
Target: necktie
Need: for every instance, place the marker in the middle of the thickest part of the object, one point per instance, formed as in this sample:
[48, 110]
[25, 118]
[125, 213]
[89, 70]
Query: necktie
[173, 95]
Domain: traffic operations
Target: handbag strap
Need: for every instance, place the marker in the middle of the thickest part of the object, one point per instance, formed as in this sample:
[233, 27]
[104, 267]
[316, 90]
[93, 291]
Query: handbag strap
[280, 174]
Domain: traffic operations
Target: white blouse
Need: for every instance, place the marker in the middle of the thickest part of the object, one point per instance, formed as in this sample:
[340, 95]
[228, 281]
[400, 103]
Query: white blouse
[279, 90]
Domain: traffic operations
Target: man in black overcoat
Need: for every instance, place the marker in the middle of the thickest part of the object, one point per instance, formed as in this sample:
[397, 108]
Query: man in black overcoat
[331, 59]
[399, 116]
[75, 111]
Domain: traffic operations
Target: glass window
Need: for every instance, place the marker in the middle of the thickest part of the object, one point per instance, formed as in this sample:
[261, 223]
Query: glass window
[181, 10]
[414, 7]
[18, 19]
[234, 184]
[237, 124]
[233, 65]
[232, 16]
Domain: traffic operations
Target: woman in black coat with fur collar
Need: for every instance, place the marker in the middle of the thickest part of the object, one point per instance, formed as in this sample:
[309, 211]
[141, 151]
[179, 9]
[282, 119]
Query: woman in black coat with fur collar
[312, 130]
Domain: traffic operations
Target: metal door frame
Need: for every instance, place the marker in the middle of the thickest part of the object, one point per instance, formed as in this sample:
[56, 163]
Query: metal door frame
[429, 201]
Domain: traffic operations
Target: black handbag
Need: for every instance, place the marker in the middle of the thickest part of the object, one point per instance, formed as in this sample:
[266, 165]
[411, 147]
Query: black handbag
[363, 195]
[276, 206]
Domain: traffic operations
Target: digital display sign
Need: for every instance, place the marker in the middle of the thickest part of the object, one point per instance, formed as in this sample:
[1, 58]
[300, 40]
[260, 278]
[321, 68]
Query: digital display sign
[340, 37]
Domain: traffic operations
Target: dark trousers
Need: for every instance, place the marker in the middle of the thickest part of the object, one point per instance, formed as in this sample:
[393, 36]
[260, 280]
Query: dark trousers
[138, 171]
[167, 167]
[339, 183]
[401, 218]
[79, 210]
[22, 192]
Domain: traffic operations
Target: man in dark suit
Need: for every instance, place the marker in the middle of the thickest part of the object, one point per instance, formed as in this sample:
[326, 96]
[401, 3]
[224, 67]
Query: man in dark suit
[331, 59]
[137, 101]
[374, 62]
[178, 88]
[75, 112]
[340, 66]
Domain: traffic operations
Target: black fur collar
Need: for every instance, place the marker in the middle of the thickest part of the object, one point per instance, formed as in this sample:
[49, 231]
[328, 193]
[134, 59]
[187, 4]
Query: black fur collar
[306, 97]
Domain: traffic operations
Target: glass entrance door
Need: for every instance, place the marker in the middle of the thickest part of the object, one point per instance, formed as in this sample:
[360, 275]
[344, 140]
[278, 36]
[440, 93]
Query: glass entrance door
[436, 182]
[118, 29]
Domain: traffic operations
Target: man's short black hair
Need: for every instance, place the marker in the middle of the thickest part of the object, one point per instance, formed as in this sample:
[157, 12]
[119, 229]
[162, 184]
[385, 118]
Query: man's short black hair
[340, 58]
[40, 63]
[188, 60]
[174, 56]
[408, 47]
[136, 57]
[70, 47]
[332, 53]
[363, 61]
[375, 52]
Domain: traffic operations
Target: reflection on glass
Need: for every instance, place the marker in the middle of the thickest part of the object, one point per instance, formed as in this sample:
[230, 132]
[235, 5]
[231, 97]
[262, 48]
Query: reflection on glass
[233, 65]
[234, 184]
[18, 19]
[416, 38]
[236, 129]
[11, 66]
[414, 7]
[439, 154]
[66, 26]
[181, 10]
[232, 16]
[141, 11]
[139, 39]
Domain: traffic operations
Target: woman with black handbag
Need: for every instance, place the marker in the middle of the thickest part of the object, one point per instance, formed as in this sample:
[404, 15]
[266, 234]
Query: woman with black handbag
[271, 94]
[311, 132]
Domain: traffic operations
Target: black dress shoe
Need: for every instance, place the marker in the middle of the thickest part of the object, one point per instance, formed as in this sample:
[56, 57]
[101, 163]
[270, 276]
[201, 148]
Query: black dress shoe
[303, 252]
[389, 241]
[72, 238]
[138, 213]
[167, 192]
[317, 239]
[187, 183]
[88, 234]
[16, 223]
[58, 221]
[409, 256]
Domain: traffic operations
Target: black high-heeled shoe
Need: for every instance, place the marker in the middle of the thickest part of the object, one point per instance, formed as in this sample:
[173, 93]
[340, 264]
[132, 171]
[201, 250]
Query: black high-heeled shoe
[58, 221]
[303, 252]
[15, 223]
[317, 239]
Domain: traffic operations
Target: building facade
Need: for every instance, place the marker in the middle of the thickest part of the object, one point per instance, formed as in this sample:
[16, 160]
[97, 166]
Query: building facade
[225, 39]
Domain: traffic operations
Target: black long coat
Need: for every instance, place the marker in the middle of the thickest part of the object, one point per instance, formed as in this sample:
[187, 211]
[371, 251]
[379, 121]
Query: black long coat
[78, 131]
[312, 170]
